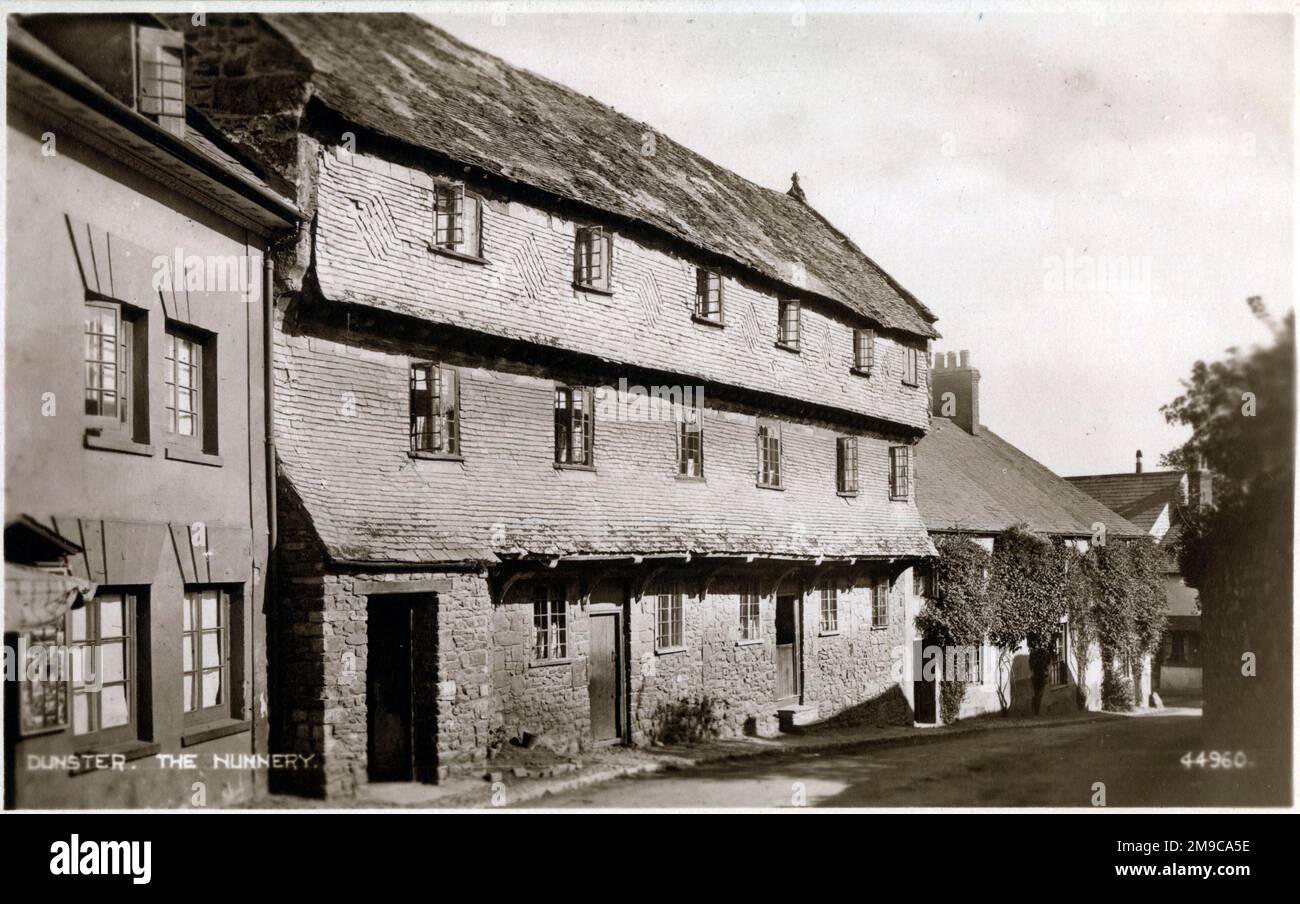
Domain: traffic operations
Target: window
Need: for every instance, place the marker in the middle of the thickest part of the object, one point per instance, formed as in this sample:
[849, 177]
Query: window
[161, 77]
[769, 455]
[104, 684]
[846, 465]
[43, 682]
[1184, 649]
[910, 356]
[690, 443]
[927, 580]
[207, 636]
[575, 419]
[787, 334]
[749, 624]
[880, 603]
[593, 258]
[435, 410]
[550, 624]
[183, 382]
[864, 351]
[830, 609]
[900, 472]
[708, 296]
[457, 220]
[115, 362]
[668, 618]
[1058, 667]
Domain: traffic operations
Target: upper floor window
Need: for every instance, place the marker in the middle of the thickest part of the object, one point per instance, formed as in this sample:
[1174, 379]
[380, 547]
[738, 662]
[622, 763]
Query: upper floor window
[550, 623]
[669, 621]
[210, 644]
[190, 385]
[900, 472]
[160, 82]
[910, 365]
[593, 258]
[864, 351]
[690, 443]
[708, 295]
[458, 218]
[435, 409]
[846, 465]
[787, 331]
[769, 455]
[575, 424]
[115, 364]
[830, 608]
[105, 685]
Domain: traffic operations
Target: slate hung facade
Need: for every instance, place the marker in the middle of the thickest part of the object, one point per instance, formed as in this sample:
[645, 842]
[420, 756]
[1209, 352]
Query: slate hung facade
[136, 503]
[579, 433]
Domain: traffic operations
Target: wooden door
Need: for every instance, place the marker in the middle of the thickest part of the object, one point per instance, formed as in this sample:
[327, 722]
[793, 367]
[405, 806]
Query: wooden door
[787, 647]
[603, 670]
[389, 701]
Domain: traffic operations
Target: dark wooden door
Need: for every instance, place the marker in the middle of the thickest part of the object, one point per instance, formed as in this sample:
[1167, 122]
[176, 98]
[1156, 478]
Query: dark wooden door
[787, 647]
[388, 690]
[603, 669]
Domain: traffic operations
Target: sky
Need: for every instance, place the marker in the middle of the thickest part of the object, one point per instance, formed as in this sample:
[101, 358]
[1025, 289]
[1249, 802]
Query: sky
[1085, 199]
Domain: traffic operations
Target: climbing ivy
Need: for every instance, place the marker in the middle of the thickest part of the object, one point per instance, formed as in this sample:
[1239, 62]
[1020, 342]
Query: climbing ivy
[1024, 595]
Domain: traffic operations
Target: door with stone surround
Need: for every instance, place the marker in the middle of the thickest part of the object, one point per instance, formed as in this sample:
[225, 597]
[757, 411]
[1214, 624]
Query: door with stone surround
[389, 689]
[787, 647]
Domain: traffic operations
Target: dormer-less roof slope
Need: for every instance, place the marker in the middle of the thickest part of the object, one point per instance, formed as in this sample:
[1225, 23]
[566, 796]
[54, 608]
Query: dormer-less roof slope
[403, 78]
[1141, 498]
[982, 485]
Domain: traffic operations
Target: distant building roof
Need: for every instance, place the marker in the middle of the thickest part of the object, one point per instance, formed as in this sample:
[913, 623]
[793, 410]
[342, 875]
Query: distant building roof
[982, 484]
[403, 78]
[1141, 498]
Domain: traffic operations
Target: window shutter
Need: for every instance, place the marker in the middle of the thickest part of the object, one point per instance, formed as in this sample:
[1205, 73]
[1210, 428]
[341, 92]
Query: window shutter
[160, 77]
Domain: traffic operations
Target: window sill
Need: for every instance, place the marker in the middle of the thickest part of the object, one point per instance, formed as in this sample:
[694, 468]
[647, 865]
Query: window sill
[543, 663]
[109, 442]
[128, 751]
[860, 371]
[222, 729]
[436, 456]
[184, 453]
[835, 633]
[687, 478]
[595, 290]
[459, 255]
[893, 498]
[668, 651]
[770, 486]
[787, 347]
[750, 643]
[847, 494]
[564, 466]
[708, 321]
[880, 627]
[912, 385]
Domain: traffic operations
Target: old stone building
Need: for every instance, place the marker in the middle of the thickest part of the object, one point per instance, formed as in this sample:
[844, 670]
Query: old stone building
[972, 482]
[136, 502]
[580, 434]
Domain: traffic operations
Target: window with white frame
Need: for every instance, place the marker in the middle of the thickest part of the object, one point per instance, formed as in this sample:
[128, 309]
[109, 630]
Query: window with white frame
[864, 350]
[749, 613]
[575, 420]
[846, 465]
[211, 647]
[708, 295]
[1058, 666]
[910, 366]
[550, 623]
[900, 472]
[593, 258]
[880, 603]
[102, 637]
[690, 443]
[669, 627]
[830, 608]
[116, 369]
[458, 219]
[788, 323]
[769, 454]
[434, 409]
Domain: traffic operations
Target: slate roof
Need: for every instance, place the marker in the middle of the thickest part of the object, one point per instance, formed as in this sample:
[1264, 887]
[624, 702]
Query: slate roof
[400, 76]
[1138, 497]
[983, 484]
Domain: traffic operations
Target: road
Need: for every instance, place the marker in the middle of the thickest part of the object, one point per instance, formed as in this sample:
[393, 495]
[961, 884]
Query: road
[1137, 758]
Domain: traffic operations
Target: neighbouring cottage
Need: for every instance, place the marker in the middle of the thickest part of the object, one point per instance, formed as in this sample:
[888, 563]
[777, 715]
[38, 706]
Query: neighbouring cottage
[580, 434]
[971, 482]
[1154, 500]
[136, 503]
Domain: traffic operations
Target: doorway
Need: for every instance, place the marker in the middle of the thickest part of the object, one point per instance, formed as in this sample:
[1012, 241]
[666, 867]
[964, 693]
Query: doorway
[401, 720]
[604, 668]
[787, 647]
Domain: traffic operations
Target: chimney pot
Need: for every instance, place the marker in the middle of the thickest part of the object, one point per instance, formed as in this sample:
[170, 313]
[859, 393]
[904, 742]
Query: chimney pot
[796, 191]
[965, 357]
[952, 359]
[1139, 462]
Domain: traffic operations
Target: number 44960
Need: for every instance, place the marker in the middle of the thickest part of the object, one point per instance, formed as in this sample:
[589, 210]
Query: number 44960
[1216, 760]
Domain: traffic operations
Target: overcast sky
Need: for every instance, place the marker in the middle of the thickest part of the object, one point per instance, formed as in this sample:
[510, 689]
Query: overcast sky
[1085, 200]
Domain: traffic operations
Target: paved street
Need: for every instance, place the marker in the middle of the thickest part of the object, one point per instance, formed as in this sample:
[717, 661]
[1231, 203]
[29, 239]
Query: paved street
[1048, 765]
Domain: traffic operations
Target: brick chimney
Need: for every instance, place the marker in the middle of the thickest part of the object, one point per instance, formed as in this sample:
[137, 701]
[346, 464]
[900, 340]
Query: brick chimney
[955, 375]
[1138, 465]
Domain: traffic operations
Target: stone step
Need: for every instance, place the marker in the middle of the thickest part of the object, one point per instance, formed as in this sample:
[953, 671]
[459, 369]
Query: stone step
[793, 718]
